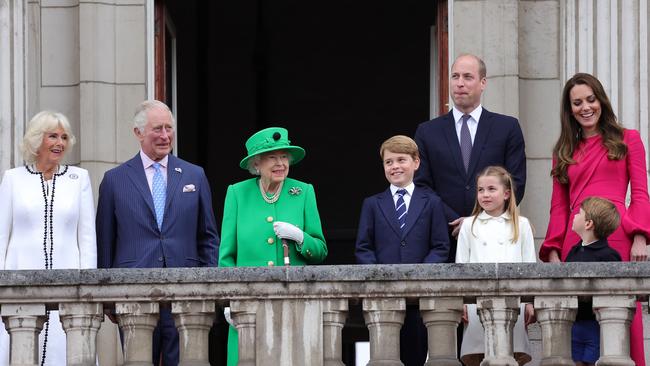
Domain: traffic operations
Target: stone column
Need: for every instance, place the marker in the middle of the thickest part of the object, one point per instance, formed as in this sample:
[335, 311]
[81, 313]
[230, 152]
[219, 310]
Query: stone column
[384, 318]
[193, 320]
[334, 314]
[555, 315]
[614, 313]
[81, 322]
[24, 323]
[441, 315]
[244, 313]
[498, 315]
[137, 321]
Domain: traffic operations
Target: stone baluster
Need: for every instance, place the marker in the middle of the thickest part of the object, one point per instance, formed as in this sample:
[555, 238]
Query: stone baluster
[441, 316]
[81, 322]
[243, 314]
[614, 314]
[334, 314]
[24, 323]
[555, 315]
[137, 321]
[498, 316]
[193, 320]
[384, 318]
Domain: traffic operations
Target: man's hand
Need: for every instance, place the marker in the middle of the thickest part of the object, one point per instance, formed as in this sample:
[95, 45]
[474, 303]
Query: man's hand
[455, 225]
[639, 251]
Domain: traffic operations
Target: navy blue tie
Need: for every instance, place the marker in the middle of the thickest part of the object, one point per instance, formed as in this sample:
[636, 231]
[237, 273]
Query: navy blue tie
[400, 208]
[465, 141]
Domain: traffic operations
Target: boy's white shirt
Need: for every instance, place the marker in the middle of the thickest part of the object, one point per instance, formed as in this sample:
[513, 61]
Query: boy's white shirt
[407, 197]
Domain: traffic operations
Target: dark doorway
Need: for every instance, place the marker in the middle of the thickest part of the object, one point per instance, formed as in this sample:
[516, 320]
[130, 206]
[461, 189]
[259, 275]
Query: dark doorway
[341, 76]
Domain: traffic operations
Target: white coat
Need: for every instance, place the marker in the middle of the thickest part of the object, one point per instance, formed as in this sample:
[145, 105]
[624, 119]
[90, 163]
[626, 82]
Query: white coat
[22, 229]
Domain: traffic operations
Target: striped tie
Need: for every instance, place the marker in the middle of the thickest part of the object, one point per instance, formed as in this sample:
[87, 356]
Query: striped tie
[158, 193]
[400, 207]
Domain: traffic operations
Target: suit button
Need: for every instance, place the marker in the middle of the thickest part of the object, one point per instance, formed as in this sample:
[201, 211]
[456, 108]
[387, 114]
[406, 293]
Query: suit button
[403, 243]
[271, 264]
[269, 219]
[467, 188]
[308, 252]
[160, 259]
[270, 240]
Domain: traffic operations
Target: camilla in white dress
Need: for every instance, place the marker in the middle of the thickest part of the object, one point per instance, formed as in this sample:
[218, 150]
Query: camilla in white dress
[47, 219]
[491, 242]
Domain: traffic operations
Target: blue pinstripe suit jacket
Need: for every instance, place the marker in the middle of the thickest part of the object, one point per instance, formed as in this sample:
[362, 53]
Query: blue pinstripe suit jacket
[127, 233]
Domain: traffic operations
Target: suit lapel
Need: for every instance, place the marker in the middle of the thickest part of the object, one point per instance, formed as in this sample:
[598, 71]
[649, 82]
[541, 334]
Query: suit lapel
[139, 179]
[452, 141]
[415, 208]
[174, 175]
[387, 207]
[482, 133]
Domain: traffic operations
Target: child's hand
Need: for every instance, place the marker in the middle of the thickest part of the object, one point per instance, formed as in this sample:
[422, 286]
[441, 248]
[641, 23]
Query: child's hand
[455, 225]
[464, 317]
[529, 315]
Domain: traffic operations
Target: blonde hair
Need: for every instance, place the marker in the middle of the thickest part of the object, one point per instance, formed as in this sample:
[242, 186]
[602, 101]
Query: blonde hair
[511, 202]
[42, 123]
[400, 144]
[604, 215]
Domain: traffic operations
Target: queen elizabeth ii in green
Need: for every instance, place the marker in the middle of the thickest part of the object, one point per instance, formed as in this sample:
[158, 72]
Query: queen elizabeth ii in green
[261, 212]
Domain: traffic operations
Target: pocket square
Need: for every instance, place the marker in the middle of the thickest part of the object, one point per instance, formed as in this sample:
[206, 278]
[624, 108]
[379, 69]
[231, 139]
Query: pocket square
[189, 188]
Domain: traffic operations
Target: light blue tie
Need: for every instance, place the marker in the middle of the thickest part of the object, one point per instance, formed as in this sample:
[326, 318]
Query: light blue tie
[158, 192]
[400, 207]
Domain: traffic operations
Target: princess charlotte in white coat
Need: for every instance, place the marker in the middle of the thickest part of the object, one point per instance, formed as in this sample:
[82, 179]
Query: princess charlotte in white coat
[47, 218]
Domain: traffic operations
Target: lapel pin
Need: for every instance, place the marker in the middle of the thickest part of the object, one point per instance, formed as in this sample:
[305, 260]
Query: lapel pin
[178, 170]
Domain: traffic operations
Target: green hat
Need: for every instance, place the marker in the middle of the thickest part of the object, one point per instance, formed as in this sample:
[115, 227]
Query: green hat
[271, 139]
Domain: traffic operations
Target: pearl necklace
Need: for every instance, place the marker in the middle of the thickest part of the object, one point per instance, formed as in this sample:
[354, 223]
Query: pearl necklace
[48, 223]
[274, 197]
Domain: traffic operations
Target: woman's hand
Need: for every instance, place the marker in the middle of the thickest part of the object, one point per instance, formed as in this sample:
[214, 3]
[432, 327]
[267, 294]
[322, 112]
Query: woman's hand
[286, 230]
[464, 317]
[553, 256]
[529, 315]
[639, 251]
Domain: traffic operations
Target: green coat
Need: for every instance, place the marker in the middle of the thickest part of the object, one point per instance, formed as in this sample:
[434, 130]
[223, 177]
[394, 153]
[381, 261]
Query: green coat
[248, 239]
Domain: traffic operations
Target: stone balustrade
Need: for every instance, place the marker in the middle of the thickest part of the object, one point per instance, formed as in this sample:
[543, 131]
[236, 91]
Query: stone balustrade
[264, 301]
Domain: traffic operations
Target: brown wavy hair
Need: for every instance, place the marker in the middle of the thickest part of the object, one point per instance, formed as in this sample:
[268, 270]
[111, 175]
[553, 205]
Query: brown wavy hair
[571, 133]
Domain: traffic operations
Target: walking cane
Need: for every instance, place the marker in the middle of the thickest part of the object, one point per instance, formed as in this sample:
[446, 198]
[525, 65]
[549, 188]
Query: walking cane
[285, 247]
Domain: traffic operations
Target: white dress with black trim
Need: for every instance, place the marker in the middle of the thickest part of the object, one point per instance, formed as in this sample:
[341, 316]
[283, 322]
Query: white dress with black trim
[46, 225]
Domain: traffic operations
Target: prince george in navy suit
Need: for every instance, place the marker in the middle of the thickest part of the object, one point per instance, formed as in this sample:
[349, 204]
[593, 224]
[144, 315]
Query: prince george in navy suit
[403, 224]
[155, 211]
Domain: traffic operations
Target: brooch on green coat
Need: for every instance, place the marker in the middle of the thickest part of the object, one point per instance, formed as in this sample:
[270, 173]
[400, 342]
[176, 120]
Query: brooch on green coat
[295, 191]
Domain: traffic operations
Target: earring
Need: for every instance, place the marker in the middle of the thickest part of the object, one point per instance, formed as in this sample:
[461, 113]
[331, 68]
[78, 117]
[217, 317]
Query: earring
[257, 171]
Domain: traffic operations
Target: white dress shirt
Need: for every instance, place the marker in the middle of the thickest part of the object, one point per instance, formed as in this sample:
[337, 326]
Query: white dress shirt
[407, 196]
[472, 123]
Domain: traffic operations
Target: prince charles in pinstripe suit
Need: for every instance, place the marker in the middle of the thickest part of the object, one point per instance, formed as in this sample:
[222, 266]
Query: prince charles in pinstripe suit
[141, 227]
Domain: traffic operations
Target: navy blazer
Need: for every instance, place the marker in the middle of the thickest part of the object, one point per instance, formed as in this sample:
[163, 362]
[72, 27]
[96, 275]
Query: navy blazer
[423, 240]
[498, 141]
[127, 232]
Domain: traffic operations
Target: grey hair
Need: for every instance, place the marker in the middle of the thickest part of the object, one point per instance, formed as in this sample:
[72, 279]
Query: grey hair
[140, 116]
[42, 123]
[250, 165]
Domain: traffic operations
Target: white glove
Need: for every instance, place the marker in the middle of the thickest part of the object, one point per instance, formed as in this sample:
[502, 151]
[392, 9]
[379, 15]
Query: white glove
[285, 230]
[226, 314]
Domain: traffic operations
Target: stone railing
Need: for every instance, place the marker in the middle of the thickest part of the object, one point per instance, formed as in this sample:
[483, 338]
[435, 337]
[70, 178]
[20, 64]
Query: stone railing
[295, 315]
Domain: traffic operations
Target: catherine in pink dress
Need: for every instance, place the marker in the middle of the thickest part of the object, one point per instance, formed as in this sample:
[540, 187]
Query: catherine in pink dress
[593, 173]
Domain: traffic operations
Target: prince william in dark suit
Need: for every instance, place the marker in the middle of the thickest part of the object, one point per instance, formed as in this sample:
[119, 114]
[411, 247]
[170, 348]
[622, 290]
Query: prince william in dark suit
[455, 147]
[155, 211]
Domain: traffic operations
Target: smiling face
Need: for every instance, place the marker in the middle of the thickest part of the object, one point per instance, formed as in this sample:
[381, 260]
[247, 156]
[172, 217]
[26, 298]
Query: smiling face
[52, 148]
[399, 168]
[585, 108]
[492, 195]
[466, 84]
[158, 136]
[273, 166]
